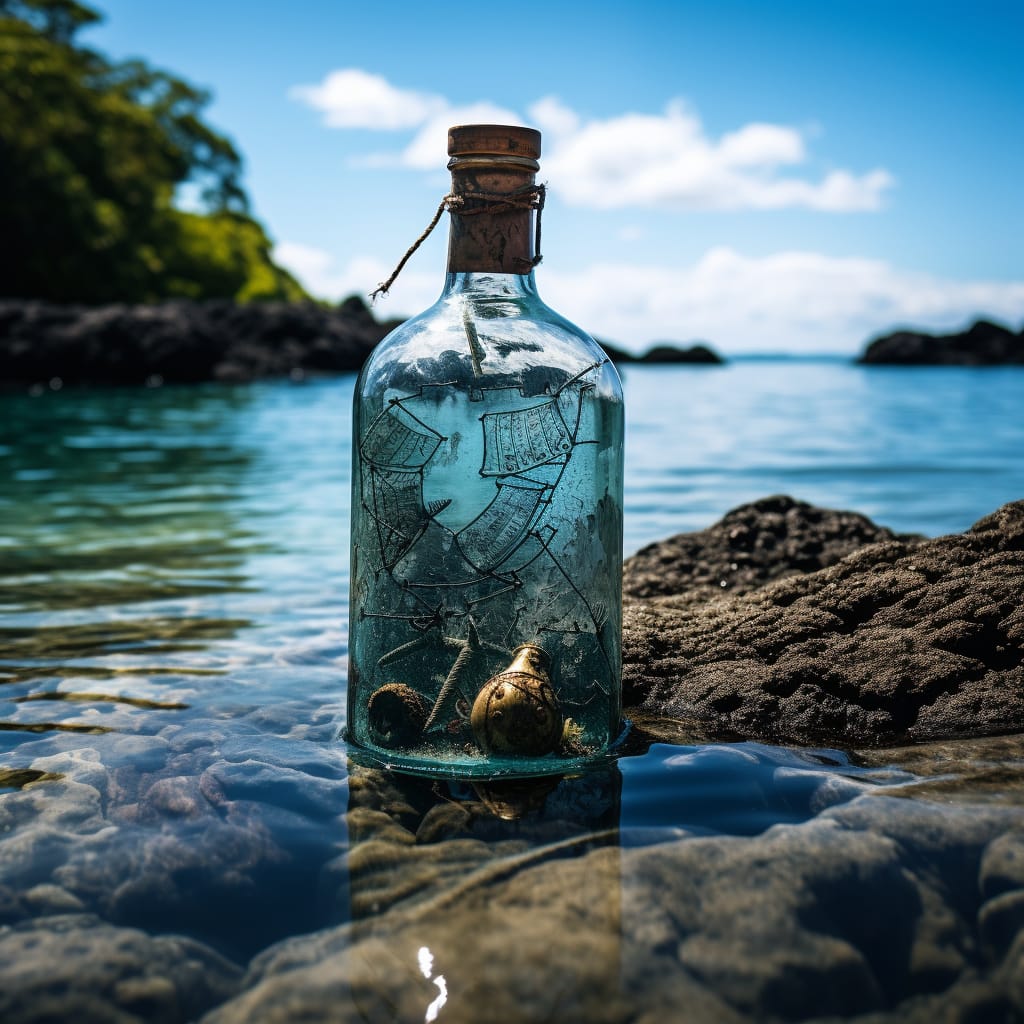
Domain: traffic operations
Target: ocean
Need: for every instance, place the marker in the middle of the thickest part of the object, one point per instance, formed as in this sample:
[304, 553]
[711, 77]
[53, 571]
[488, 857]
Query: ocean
[173, 591]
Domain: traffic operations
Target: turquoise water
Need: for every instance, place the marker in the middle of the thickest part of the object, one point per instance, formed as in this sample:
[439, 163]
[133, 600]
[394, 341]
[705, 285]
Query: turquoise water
[173, 592]
[925, 450]
[153, 536]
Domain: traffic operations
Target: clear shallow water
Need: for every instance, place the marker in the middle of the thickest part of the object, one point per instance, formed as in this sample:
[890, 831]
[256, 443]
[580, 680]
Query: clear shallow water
[173, 588]
[924, 450]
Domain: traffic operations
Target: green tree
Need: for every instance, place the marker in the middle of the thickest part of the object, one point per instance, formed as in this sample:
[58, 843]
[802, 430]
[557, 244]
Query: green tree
[92, 154]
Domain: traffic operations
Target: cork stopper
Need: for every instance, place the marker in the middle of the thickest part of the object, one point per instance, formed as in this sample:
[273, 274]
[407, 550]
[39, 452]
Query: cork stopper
[494, 140]
[493, 170]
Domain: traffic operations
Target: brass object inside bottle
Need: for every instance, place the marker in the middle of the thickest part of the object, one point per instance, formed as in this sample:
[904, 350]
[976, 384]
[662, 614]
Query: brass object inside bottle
[516, 711]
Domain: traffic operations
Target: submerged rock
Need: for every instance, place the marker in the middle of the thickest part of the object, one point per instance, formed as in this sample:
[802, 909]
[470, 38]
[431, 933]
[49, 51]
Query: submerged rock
[77, 967]
[900, 640]
[872, 910]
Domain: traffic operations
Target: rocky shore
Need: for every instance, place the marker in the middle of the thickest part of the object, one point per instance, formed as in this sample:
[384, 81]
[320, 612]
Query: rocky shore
[982, 344]
[761, 628]
[238, 869]
[180, 342]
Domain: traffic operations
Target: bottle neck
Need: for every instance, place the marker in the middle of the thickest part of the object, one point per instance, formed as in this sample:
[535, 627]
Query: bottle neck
[483, 286]
[489, 235]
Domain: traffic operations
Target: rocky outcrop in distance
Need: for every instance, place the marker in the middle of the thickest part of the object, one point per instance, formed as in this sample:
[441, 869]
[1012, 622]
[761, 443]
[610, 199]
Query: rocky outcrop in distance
[666, 353]
[902, 640]
[182, 342]
[982, 344]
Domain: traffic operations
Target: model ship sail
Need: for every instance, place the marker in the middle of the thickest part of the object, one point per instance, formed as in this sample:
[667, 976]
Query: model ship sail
[525, 451]
[503, 525]
[397, 446]
[398, 440]
[521, 439]
[398, 511]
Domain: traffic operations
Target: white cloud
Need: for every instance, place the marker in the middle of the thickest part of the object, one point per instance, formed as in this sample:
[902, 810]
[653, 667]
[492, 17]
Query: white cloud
[553, 117]
[324, 278]
[786, 302]
[761, 144]
[427, 150]
[652, 160]
[310, 264]
[351, 98]
[662, 160]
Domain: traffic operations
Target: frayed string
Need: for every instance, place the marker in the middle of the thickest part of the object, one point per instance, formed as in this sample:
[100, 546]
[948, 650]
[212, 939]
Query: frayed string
[531, 197]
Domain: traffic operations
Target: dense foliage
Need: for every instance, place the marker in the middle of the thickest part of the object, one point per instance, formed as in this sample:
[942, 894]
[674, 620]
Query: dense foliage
[92, 155]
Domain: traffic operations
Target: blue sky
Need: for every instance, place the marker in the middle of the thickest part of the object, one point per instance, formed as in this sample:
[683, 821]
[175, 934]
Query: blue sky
[785, 176]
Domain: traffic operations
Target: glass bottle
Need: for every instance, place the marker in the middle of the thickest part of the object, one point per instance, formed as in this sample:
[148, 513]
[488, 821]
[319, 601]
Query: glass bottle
[486, 567]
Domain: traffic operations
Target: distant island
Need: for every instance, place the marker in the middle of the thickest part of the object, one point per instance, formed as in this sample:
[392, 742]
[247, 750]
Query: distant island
[666, 352]
[180, 341]
[983, 344]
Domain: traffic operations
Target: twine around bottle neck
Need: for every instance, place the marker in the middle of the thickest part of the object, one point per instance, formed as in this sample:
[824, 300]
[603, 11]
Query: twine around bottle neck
[472, 203]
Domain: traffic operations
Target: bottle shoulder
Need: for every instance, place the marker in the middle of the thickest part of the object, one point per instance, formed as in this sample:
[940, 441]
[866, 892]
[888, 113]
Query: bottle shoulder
[487, 339]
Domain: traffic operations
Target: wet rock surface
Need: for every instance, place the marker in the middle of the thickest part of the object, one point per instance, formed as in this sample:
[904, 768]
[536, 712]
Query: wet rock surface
[78, 967]
[899, 640]
[876, 910]
[199, 831]
[379, 894]
[237, 867]
[181, 341]
[983, 344]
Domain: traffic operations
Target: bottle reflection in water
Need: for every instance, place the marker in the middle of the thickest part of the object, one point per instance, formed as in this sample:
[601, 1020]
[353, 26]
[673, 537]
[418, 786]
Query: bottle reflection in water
[487, 506]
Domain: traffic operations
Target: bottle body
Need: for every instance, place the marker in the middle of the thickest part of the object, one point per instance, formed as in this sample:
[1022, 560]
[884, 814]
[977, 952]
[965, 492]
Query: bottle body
[486, 516]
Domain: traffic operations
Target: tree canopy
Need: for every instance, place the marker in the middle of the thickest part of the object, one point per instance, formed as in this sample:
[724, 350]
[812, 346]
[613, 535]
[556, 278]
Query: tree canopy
[92, 156]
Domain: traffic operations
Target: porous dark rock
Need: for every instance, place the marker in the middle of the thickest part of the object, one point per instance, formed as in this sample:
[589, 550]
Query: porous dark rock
[983, 344]
[901, 640]
[750, 546]
[181, 341]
